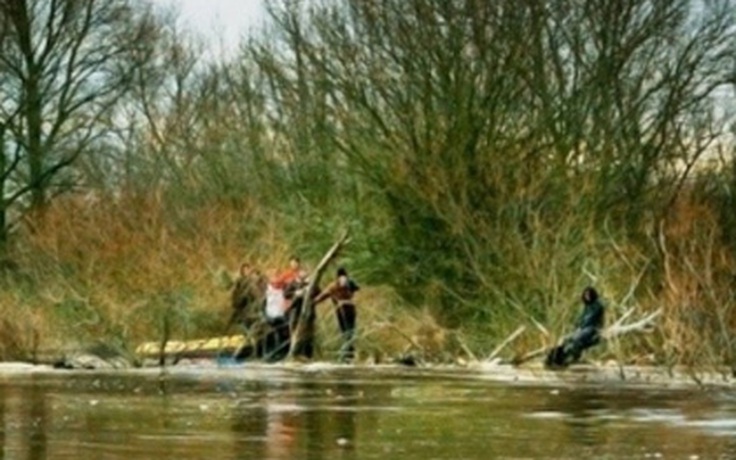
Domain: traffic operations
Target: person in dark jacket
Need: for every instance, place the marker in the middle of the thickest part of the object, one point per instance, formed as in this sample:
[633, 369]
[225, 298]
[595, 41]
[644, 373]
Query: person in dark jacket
[586, 335]
[247, 295]
[341, 292]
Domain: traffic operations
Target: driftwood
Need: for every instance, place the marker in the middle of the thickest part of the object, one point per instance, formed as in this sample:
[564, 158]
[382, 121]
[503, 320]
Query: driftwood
[520, 330]
[301, 331]
[645, 324]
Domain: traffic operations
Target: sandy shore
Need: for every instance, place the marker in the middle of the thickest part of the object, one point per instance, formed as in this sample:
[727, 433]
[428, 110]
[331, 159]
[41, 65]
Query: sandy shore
[609, 374]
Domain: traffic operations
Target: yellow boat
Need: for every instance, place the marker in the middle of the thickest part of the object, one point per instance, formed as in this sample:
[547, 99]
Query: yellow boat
[192, 348]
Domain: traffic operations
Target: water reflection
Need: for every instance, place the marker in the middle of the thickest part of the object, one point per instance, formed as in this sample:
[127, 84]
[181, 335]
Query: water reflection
[298, 419]
[344, 418]
[249, 425]
[284, 414]
[592, 417]
[24, 417]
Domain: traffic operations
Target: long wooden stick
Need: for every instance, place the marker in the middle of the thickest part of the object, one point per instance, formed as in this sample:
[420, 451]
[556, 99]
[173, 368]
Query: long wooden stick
[307, 305]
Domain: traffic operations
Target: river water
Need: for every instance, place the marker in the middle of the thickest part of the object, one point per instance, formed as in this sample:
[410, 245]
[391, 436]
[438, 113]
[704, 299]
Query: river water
[333, 412]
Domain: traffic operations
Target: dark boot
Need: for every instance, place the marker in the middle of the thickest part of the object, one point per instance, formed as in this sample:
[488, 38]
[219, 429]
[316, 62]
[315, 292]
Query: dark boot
[556, 357]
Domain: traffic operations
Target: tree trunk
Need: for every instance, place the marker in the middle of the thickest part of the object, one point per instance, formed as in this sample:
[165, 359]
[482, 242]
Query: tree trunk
[3, 204]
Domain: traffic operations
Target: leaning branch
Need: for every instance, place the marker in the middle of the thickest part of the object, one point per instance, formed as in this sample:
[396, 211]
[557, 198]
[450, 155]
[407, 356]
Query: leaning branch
[520, 330]
[307, 306]
[645, 324]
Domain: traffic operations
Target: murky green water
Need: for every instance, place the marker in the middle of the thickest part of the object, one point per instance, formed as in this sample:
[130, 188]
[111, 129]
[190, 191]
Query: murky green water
[317, 412]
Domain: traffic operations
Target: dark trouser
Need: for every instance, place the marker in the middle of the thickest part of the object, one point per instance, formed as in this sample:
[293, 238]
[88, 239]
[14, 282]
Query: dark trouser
[573, 346]
[275, 344]
[346, 314]
[581, 340]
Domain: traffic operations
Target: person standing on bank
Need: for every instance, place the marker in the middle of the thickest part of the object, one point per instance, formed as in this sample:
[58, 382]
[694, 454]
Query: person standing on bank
[247, 294]
[288, 276]
[341, 292]
[587, 334]
[277, 339]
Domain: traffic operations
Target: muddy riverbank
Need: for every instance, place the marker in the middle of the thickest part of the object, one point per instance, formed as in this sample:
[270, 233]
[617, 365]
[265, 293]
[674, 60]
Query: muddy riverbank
[529, 374]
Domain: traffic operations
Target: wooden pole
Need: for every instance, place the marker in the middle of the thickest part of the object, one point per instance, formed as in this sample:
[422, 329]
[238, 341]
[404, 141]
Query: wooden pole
[299, 332]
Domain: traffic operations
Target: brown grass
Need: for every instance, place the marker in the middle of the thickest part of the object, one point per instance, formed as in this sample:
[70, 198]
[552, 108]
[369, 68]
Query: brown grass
[112, 269]
[697, 289]
[112, 258]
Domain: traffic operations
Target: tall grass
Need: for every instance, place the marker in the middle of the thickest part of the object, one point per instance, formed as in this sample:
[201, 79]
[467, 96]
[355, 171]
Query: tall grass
[118, 269]
[111, 267]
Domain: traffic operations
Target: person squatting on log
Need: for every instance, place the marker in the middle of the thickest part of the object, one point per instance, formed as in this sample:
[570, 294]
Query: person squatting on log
[341, 292]
[587, 334]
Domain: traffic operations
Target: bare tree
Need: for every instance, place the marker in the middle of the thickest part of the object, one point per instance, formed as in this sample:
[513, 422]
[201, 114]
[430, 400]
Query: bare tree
[479, 124]
[64, 65]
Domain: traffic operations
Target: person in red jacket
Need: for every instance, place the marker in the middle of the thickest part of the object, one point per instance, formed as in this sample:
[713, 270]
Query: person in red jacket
[279, 302]
[289, 275]
[277, 310]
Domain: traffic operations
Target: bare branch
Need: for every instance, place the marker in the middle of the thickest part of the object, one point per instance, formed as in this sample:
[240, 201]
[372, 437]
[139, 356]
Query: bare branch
[643, 325]
[520, 330]
[298, 334]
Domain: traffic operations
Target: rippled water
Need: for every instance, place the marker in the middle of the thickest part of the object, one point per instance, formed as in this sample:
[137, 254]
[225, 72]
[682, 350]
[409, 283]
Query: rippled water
[253, 412]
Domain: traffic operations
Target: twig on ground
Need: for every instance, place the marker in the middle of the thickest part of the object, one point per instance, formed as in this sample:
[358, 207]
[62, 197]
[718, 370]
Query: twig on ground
[466, 349]
[530, 355]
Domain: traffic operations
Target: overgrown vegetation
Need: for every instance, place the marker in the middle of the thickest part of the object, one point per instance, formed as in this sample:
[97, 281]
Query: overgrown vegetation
[490, 159]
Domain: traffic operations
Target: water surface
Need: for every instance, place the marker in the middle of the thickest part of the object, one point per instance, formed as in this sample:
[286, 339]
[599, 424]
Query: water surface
[253, 412]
